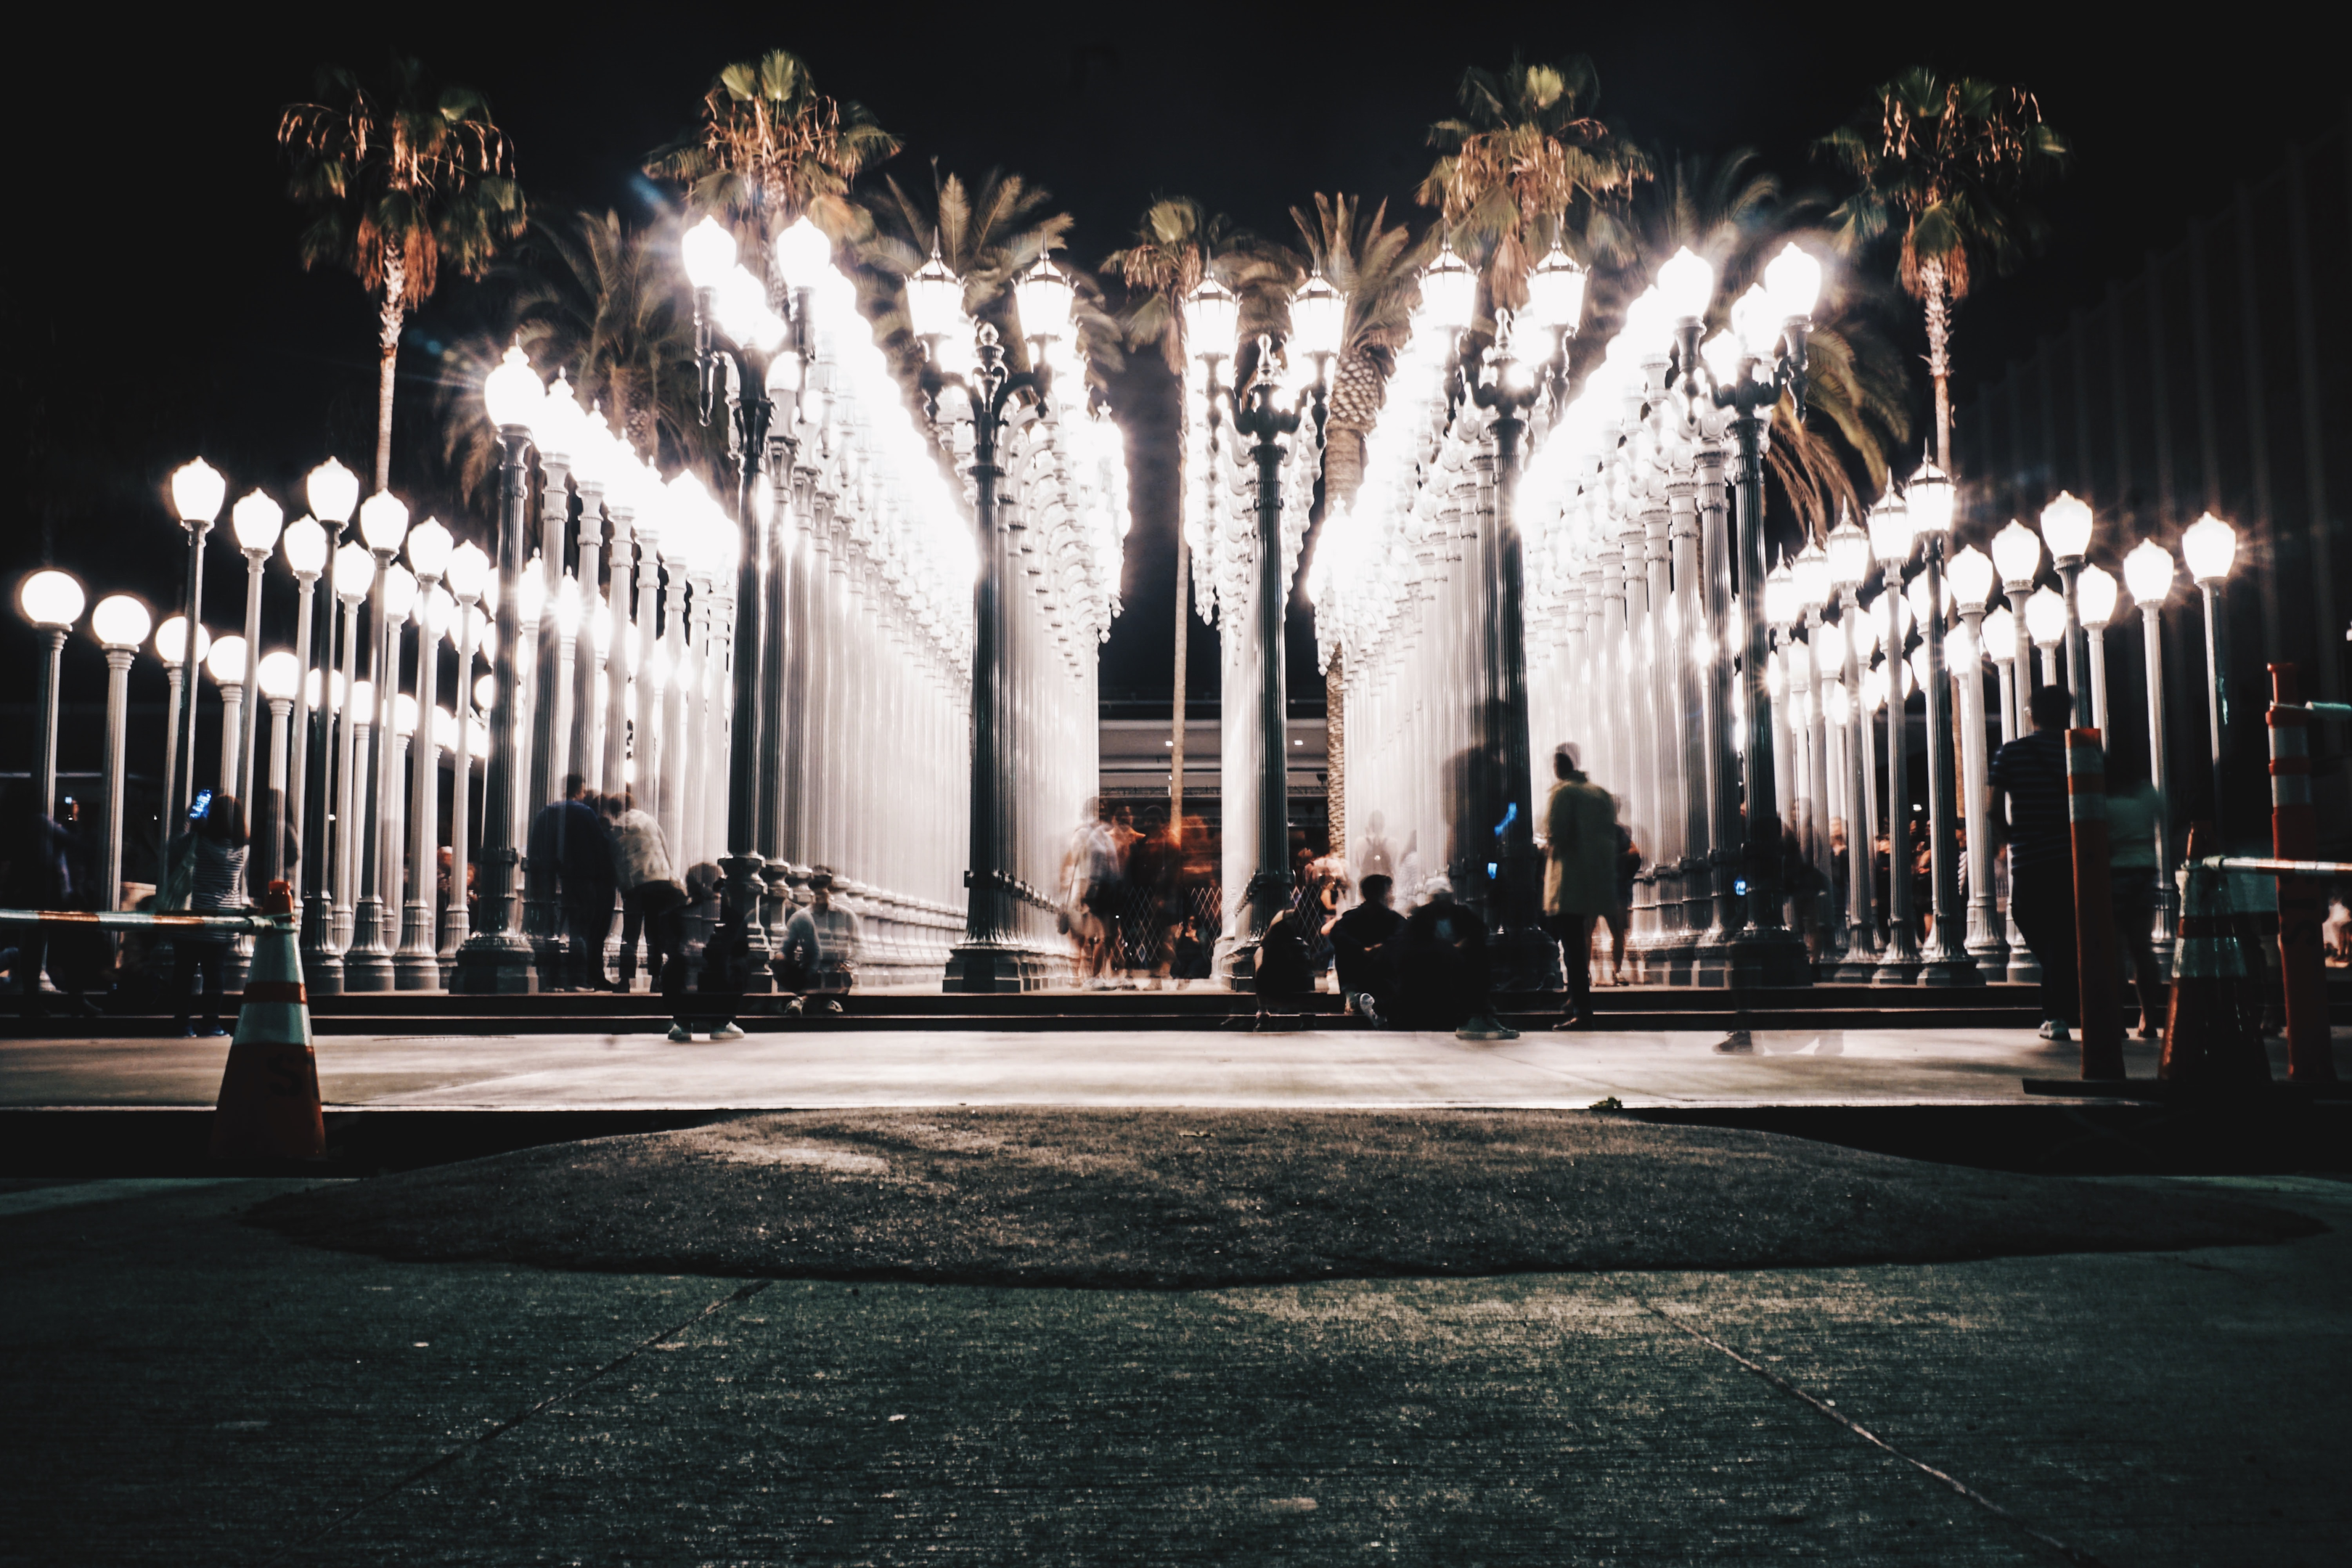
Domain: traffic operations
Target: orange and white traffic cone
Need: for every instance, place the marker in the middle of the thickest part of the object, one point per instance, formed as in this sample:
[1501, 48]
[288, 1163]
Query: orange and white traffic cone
[269, 1107]
[2302, 901]
[2094, 930]
[2206, 1038]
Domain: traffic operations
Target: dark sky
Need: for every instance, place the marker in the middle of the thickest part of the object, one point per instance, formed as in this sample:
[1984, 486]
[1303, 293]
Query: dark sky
[154, 310]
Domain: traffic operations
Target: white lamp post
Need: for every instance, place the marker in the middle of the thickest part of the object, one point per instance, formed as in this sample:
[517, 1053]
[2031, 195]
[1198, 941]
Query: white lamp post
[355, 580]
[2066, 528]
[120, 624]
[1849, 560]
[226, 665]
[2046, 619]
[53, 602]
[469, 574]
[278, 682]
[2147, 572]
[2094, 606]
[257, 520]
[367, 964]
[1972, 576]
[197, 492]
[2210, 545]
[1947, 961]
[171, 647]
[2017, 556]
[307, 546]
[417, 965]
[1890, 540]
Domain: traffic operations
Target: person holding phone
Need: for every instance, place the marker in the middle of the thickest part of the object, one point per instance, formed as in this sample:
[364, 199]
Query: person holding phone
[216, 886]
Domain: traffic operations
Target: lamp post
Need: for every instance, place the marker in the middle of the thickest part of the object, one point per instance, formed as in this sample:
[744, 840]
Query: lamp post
[2017, 556]
[469, 574]
[1849, 561]
[1972, 577]
[227, 664]
[1510, 384]
[1946, 961]
[354, 575]
[417, 965]
[1809, 574]
[171, 647]
[496, 959]
[2147, 572]
[2066, 527]
[120, 624]
[737, 335]
[197, 492]
[257, 520]
[306, 545]
[2210, 545]
[2046, 623]
[53, 602]
[2095, 608]
[278, 682]
[1891, 540]
[367, 963]
[989, 958]
[1767, 357]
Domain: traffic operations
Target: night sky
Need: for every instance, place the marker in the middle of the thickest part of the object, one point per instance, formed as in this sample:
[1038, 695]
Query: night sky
[154, 310]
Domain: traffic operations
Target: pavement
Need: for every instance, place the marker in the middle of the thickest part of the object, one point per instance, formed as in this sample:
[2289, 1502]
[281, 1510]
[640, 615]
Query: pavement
[180, 1387]
[1299, 1069]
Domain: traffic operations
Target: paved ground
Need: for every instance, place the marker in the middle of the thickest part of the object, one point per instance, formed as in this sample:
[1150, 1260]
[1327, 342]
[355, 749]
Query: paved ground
[1302, 1069]
[176, 1387]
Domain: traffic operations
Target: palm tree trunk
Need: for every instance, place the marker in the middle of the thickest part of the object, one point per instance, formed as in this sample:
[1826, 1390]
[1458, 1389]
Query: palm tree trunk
[1176, 720]
[1940, 356]
[1334, 753]
[394, 312]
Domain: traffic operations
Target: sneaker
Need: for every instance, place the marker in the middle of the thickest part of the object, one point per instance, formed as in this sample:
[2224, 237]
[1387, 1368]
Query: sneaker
[795, 1008]
[680, 1035]
[2055, 1029]
[832, 1006]
[1573, 1021]
[1485, 1026]
[1736, 1043]
[729, 1031]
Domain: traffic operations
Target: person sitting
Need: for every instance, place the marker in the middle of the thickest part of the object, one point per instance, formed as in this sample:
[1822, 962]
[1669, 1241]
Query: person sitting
[1365, 970]
[1285, 966]
[820, 949]
[1443, 969]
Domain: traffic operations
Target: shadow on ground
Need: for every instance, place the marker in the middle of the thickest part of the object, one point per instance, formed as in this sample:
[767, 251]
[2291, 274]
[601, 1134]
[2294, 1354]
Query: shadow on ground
[1172, 1200]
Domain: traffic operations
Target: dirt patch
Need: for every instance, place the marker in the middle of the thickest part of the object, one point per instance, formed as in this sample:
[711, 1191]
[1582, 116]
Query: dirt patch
[1176, 1199]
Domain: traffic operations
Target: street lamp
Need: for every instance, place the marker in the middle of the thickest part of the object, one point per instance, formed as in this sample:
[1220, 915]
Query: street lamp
[2094, 606]
[1946, 961]
[1849, 561]
[2046, 623]
[2066, 526]
[226, 664]
[367, 964]
[468, 575]
[1972, 576]
[52, 601]
[277, 681]
[1890, 540]
[197, 492]
[2017, 556]
[306, 544]
[120, 624]
[257, 520]
[2147, 572]
[353, 574]
[496, 959]
[989, 958]
[2210, 545]
[417, 965]
[1770, 323]
[171, 647]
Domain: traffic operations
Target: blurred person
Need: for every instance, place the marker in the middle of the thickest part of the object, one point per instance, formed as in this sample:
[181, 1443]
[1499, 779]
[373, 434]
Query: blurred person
[1372, 855]
[1187, 956]
[1360, 963]
[2134, 808]
[1620, 915]
[569, 836]
[653, 900]
[216, 888]
[1443, 968]
[1153, 866]
[1583, 855]
[38, 871]
[1284, 966]
[2335, 933]
[1091, 880]
[2026, 811]
[819, 954]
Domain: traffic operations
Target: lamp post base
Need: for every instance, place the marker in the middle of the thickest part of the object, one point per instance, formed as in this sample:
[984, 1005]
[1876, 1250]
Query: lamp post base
[1895, 968]
[1860, 964]
[323, 966]
[366, 973]
[494, 965]
[1950, 969]
[991, 969]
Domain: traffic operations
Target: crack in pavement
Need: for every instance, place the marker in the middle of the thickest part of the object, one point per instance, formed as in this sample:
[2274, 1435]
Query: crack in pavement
[2070, 1553]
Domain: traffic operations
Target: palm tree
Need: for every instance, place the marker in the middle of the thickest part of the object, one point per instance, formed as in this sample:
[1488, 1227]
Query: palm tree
[1948, 162]
[1738, 216]
[1377, 267]
[1530, 161]
[769, 148]
[399, 183]
[1179, 243]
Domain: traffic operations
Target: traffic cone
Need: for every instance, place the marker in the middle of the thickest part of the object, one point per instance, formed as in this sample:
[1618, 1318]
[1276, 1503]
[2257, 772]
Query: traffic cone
[269, 1107]
[2205, 1036]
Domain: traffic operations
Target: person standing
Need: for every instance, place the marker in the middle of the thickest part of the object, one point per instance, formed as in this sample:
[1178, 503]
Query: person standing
[653, 900]
[2026, 808]
[569, 835]
[38, 871]
[1582, 853]
[2134, 808]
[217, 888]
[820, 950]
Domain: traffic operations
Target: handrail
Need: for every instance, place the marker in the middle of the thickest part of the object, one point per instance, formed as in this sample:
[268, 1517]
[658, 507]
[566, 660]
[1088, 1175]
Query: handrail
[136, 920]
[2252, 866]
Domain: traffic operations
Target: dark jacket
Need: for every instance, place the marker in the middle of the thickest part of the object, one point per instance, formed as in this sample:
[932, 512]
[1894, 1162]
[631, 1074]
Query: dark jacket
[1357, 939]
[569, 836]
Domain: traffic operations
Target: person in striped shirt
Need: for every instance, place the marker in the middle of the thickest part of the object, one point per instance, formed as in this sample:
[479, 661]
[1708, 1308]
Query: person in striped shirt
[2026, 791]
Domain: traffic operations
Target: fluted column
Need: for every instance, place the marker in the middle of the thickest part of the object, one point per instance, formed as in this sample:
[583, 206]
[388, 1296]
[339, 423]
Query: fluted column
[1984, 940]
[417, 965]
[1725, 912]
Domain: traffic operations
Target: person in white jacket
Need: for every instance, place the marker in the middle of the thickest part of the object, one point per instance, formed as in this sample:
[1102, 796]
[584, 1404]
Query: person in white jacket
[652, 898]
